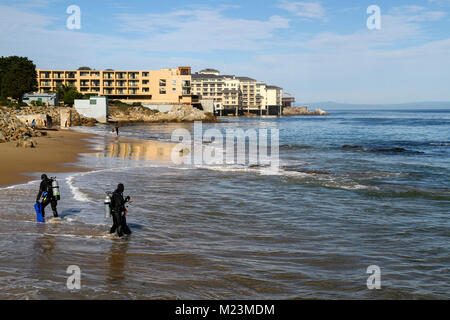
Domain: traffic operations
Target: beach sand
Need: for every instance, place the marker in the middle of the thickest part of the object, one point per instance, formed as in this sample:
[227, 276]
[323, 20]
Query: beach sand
[60, 150]
[56, 152]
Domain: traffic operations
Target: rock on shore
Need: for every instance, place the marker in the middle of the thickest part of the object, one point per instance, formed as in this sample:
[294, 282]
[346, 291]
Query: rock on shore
[54, 113]
[293, 111]
[178, 113]
[12, 129]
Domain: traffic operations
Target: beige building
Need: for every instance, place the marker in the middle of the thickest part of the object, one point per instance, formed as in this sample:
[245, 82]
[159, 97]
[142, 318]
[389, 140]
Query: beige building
[222, 90]
[234, 94]
[164, 86]
[274, 97]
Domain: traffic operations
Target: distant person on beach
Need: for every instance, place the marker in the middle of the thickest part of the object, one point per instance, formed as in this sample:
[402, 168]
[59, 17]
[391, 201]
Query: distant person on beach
[117, 130]
[33, 123]
[27, 124]
[118, 212]
[46, 192]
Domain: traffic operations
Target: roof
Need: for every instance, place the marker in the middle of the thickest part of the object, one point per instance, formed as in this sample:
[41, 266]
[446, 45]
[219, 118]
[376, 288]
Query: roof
[44, 94]
[209, 70]
[273, 87]
[245, 79]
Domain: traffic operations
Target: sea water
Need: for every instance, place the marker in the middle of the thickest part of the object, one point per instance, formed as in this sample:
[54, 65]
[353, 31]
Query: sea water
[309, 230]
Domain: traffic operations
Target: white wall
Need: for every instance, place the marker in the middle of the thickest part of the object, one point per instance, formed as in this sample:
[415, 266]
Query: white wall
[95, 107]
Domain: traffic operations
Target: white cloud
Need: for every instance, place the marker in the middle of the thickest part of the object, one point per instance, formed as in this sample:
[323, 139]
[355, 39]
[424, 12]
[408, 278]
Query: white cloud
[308, 10]
[202, 29]
[395, 64]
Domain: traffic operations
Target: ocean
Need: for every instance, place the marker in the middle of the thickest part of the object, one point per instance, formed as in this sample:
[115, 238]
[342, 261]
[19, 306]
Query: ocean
[309, 230]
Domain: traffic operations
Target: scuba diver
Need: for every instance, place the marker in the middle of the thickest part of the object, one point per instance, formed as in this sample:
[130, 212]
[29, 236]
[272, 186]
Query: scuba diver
[46, 191]
[118, 212]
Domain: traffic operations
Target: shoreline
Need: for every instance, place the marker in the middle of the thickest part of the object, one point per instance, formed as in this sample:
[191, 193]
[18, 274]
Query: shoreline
[57, 152]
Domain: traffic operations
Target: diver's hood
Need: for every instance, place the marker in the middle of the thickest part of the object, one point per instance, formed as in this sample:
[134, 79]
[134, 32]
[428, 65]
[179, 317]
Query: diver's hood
[120, 188]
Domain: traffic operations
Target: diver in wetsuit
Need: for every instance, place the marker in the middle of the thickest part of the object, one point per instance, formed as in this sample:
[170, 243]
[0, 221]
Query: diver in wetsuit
[118, 212]
[46, 192]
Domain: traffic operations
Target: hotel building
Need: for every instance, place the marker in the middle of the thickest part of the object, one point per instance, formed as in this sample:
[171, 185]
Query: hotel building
[164, 86]
[232, 94]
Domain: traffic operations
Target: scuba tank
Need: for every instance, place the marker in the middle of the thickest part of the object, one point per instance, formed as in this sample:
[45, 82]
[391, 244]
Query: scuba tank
[107, 205]
[55, 189]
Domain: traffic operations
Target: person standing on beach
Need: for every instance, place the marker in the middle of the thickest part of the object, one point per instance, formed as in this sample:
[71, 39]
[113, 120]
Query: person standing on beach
[33, 124]
[118, 212]
[46, 192]
[117, 130]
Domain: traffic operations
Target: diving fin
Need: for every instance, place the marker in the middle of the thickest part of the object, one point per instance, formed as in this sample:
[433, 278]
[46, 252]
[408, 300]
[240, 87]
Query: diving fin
[38, 208]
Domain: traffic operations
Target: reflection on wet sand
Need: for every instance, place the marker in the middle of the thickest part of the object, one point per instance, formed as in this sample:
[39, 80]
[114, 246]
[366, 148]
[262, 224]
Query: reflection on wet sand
[130, 149]
[117, 261]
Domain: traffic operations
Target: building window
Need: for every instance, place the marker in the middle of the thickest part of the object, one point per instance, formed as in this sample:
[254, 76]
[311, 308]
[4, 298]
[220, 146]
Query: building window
[174, 82]
[162, 82]
[162, 91]
[145, 81]
[92, 101]
[174, 90]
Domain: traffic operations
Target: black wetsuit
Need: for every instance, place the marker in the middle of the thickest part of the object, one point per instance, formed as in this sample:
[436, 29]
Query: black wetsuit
[46, 191]
[118, 213]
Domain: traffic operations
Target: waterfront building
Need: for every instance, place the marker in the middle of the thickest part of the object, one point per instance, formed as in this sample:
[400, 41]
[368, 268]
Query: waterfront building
[287, 100]
[222, 90]
[164, 86]
[50, 99]
[274, 100]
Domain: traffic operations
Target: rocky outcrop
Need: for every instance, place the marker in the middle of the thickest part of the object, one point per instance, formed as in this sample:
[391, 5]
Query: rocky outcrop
[382, 150]
[54, 113]
[178, 113]
[12, 129]
[303, 111]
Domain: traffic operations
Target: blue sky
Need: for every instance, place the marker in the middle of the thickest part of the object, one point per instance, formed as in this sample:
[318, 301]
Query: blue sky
[316, 50]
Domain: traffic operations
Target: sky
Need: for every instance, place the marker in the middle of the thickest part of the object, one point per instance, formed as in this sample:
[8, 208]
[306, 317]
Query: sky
[315, 50]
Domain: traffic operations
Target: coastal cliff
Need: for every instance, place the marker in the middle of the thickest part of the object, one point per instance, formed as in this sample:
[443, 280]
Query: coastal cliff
[294, 111]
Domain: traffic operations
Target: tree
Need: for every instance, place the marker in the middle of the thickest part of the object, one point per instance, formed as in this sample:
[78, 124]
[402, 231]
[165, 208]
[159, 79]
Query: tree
[68, 94]
[17, 77]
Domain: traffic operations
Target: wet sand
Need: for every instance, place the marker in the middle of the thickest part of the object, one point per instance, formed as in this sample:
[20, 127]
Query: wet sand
[56, 152]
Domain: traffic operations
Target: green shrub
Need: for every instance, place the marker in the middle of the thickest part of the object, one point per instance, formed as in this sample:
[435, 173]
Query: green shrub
[37, 103]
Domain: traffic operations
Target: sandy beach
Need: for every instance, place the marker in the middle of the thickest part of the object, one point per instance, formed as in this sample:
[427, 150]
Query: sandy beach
[56, 152]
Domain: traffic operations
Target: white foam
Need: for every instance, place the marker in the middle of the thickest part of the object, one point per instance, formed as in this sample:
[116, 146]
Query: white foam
[19, 185]
[77, 193]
